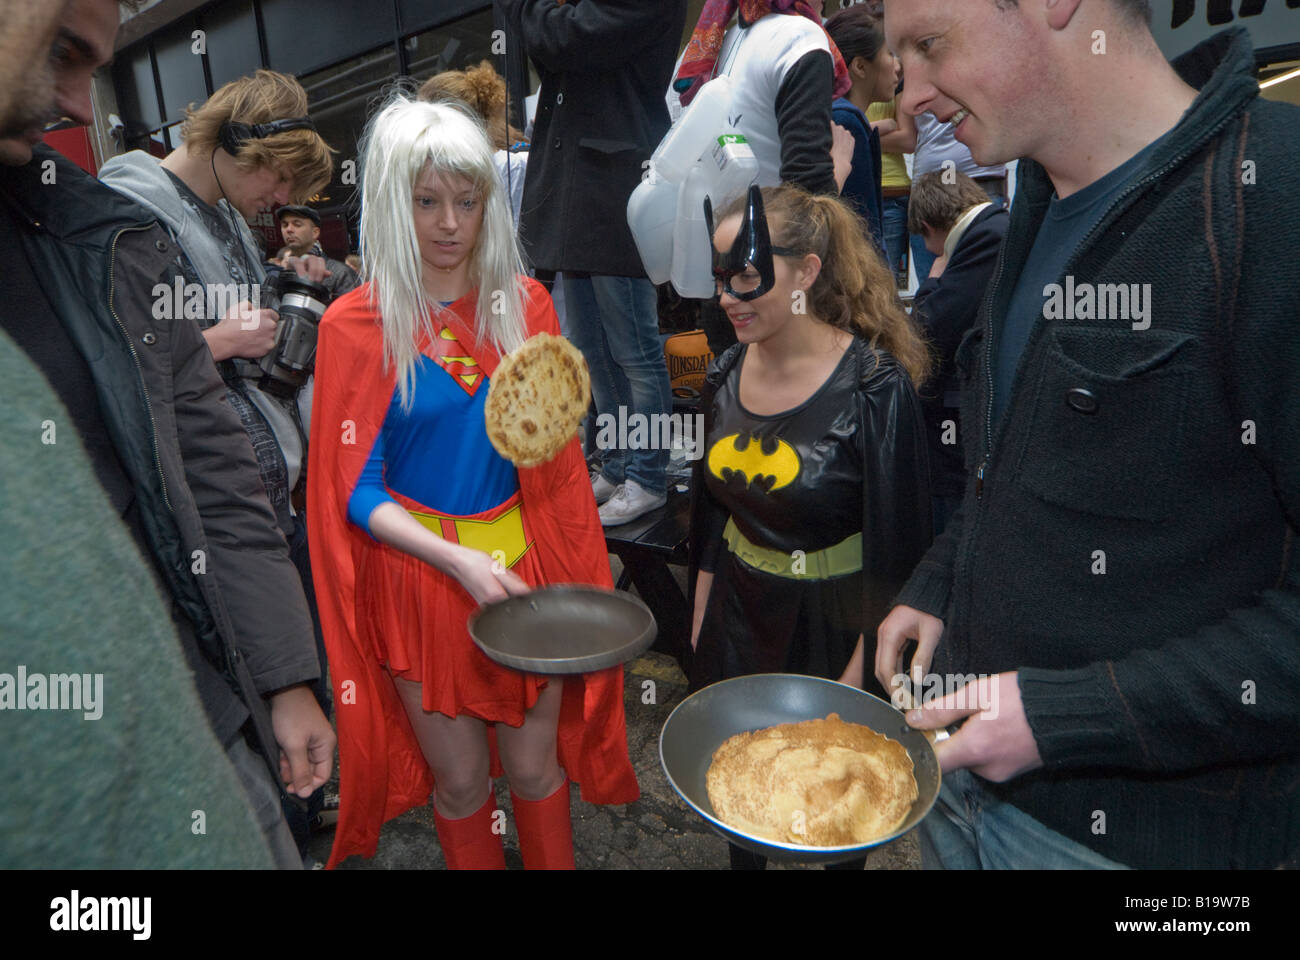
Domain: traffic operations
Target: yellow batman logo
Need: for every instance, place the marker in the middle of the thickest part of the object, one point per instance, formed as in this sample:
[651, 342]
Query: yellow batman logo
[731, 456]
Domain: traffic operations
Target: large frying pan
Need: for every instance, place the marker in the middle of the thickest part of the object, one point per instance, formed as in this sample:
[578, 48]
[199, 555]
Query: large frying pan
[705, 719]
[564, 629]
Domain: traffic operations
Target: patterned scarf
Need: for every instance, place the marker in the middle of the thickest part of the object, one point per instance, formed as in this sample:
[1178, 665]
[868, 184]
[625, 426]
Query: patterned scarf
[706, 42]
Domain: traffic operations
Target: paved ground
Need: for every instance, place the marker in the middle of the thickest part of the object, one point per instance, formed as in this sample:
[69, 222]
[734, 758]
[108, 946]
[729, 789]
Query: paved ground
[658, 832]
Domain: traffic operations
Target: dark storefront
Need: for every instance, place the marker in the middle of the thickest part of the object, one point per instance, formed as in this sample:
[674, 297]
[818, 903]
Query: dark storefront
[347, 55]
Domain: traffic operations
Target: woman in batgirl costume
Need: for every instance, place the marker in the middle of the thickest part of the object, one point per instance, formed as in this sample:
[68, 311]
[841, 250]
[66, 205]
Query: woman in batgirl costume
[812, 497]
[415, 520]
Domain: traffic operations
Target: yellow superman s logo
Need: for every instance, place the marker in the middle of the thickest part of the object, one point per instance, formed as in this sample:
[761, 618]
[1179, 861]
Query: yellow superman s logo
[747, 458]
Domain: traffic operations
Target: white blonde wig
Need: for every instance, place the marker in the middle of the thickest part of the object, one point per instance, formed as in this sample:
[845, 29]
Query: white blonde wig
[403, 139]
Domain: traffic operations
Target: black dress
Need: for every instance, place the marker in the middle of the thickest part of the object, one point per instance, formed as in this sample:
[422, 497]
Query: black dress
[849, 460]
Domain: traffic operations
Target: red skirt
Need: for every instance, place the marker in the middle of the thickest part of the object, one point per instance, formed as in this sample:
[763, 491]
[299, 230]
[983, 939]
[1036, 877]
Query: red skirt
[413, 619]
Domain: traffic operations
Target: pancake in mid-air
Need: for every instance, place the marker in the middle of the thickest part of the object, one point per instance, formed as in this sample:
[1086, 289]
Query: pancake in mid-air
[537, 398]
[821, 783]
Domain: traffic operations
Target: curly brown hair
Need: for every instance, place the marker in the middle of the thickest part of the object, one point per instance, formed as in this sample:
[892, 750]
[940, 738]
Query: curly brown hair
[483, 89]
[855, 289]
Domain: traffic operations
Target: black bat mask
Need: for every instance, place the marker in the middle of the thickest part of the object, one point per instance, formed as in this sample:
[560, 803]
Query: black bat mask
[751, 248]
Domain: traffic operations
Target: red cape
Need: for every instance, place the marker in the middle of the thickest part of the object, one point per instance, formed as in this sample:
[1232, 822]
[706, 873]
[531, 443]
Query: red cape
[382, 772]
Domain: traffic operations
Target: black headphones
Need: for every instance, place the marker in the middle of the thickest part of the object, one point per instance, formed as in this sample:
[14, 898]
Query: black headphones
[232, 136]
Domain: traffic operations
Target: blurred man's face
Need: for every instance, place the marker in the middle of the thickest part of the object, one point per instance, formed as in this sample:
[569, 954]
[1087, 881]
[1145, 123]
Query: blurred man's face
[972, 62]
[300, 233]
[83, 43]
[26, 76]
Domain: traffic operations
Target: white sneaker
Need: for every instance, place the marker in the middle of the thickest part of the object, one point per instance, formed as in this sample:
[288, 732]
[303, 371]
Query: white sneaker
[601, 487]
[629, 501]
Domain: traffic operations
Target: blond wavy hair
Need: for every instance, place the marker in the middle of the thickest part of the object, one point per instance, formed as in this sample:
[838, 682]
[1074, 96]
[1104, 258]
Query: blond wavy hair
[855, 290]
[261, 98]
[483, 89]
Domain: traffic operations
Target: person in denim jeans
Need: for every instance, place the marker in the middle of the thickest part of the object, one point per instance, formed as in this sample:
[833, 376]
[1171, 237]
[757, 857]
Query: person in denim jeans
[893, 220]
[971, 829]
[614, 321]
[897, 132]
[600, 112]
[1126, 718]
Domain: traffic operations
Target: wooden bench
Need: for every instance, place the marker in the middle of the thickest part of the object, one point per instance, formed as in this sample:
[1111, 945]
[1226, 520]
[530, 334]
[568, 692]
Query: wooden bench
[646, 546]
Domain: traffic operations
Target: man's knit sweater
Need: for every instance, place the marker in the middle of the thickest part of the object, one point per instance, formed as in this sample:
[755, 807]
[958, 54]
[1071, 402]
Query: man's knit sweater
[1126, 540]
[139, 781]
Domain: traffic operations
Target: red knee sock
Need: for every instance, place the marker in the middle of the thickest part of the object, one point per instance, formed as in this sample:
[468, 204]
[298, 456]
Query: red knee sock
[545, 831]
[469, 843]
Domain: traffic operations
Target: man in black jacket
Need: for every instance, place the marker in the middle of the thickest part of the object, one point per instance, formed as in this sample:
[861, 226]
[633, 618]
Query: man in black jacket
[1120, 584]
[86, 788]
[964, 231]
[604, 66]
[300, 227]
[170, 452]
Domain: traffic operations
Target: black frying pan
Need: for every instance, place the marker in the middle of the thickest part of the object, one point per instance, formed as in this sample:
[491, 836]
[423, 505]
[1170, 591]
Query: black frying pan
[705, 719]
[564, 629]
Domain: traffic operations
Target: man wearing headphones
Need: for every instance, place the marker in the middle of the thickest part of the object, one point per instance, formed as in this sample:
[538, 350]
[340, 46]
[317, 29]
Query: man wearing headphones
[250, 147]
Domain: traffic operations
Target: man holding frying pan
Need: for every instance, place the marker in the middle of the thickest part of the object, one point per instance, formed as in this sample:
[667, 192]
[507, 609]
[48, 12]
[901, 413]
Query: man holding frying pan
[1121, 581]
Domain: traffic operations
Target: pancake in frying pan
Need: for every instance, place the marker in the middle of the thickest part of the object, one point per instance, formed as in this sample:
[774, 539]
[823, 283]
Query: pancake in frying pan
[822, 783]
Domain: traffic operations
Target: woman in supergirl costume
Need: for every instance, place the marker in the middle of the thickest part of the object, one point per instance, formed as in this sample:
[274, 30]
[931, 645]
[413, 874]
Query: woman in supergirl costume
[415, 520]
[812, 498]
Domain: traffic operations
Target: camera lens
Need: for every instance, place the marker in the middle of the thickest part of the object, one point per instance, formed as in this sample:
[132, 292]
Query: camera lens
[287, 367]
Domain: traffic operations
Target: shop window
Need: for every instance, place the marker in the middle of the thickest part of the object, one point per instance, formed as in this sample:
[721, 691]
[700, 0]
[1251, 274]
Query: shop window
[303, 34]
[137, 97]
[233, 50]
[181, 69]
[419, 14]
[340, 100]
[453, 46]
[172, 136]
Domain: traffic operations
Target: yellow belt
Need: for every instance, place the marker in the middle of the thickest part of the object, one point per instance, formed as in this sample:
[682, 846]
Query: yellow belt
[834, 561]
[502, 538]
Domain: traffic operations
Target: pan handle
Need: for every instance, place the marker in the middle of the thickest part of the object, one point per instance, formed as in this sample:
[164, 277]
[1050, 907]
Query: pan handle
[910, 703]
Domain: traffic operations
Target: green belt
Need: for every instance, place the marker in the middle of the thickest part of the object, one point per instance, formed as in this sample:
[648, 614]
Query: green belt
[835, 561]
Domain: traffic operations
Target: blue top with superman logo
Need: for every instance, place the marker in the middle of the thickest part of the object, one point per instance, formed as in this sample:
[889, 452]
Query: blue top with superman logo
[438, 452]
[791, 481]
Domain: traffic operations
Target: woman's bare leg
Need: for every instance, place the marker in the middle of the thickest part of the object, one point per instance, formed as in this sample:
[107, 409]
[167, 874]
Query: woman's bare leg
[528, 752]
[538, 787]
[456, 751]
